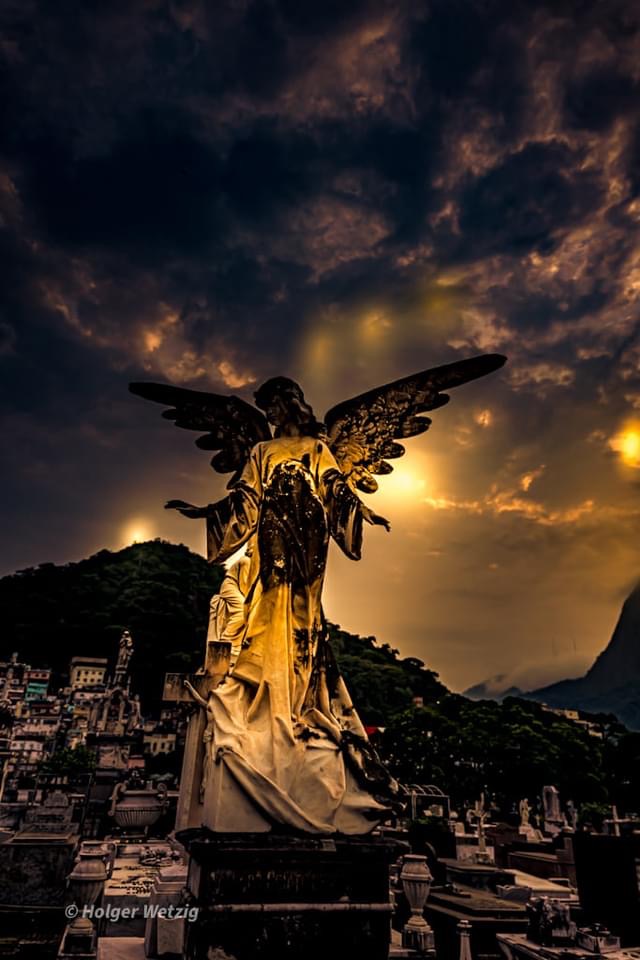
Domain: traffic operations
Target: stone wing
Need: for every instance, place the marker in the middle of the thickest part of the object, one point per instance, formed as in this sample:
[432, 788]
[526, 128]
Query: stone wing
[228, 425]
[363, 432]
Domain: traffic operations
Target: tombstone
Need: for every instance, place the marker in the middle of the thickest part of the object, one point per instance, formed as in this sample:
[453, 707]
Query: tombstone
[53, 816]
[168, 890]
[35, 862]
[267, 895]
[554, 821]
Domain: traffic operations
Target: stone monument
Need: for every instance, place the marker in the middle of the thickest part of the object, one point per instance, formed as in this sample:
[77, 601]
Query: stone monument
[478, 814]
[554, 820]
[281, 785]
[525, 829]
[572, 815]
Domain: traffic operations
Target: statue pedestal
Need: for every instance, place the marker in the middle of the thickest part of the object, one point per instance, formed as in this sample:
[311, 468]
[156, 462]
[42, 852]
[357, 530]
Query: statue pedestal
[266, 895]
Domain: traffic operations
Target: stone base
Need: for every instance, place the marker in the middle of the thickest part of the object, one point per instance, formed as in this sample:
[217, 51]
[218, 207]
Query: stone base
[121, 948]
[530, 834]
[263, 896]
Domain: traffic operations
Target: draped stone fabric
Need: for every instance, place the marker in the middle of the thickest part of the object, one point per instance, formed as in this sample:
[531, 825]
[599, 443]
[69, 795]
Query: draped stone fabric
[288, 747]
[227, 612]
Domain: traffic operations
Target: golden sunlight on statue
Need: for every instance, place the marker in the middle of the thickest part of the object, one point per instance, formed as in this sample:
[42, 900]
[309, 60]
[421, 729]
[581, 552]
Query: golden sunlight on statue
[285, 746]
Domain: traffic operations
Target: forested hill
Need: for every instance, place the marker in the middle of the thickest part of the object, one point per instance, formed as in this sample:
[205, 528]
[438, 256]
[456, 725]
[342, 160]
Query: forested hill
[157, 590]
[160, 592]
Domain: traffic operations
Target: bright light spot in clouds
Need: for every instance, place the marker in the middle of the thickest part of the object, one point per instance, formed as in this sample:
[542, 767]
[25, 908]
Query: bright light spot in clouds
[373, 326]
[484, 418]
[234, 378]
[152, 340]
[528, 478]
[135, 532]
[403, 484]
[541, 375]
[627, 444]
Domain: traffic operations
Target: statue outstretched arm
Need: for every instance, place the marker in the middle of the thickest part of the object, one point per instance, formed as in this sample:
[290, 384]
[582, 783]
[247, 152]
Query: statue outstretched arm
[232, 521]
[374, 518]
[189, 509]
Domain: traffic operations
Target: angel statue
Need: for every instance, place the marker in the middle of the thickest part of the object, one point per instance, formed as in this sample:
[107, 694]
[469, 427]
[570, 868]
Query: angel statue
[288, 750]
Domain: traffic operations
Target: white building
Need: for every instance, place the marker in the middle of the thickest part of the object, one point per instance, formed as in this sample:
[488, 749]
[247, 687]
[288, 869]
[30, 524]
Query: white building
[87, 671]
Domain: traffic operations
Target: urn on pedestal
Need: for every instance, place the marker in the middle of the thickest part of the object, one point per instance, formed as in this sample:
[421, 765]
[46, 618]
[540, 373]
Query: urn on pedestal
[416, 882]
[86, 883]
[135, 810]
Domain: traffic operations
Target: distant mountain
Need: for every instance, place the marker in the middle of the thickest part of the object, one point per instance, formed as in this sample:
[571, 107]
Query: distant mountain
[612, 685]
[492, 689]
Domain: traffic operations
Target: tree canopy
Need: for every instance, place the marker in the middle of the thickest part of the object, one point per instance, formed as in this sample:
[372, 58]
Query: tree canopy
[158, 591]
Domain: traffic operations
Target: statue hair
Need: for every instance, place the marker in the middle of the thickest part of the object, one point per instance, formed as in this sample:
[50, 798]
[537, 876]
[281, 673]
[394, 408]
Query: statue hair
[300, 412]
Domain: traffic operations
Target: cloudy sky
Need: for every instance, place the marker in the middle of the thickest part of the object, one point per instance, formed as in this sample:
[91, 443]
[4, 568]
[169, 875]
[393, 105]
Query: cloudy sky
[214, 193]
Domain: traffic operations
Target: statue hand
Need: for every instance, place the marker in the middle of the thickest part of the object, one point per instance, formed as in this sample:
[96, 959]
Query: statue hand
[375, 518]
[381, 522]
[186, 509]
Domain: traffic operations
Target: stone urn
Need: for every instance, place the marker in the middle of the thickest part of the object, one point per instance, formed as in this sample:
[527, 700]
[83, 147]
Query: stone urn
[87, 878]
[135, 810]
[416, 882]
[86, 883]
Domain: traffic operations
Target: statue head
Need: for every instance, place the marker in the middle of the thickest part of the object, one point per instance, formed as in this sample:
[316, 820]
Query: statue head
[283, 403]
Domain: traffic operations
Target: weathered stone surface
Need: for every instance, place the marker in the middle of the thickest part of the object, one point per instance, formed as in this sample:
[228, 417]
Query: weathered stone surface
[170, 936]
[33, 873]
[265, 896]
[121, 948]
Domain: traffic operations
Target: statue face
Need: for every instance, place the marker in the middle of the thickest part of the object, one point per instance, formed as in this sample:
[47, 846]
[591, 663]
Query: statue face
[276, 412]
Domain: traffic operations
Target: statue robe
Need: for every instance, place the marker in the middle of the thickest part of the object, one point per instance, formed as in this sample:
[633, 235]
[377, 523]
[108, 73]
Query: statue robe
[288, 746]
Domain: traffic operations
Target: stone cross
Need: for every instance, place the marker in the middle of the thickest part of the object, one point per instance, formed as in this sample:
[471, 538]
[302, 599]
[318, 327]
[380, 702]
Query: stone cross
[615, 821]
[480, 814]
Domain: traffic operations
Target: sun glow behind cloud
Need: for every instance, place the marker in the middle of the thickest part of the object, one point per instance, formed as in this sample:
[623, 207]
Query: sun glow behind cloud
[405, 488]
[135, 531]
[626, 444]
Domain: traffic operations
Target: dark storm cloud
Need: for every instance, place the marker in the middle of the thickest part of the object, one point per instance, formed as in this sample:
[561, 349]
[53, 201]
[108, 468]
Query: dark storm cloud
[153, 194]
[521, 203]
[594, 101]
[215, 193]
[212, 159]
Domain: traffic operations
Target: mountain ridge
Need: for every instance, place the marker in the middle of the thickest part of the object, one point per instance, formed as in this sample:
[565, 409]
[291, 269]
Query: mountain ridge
[610, 685]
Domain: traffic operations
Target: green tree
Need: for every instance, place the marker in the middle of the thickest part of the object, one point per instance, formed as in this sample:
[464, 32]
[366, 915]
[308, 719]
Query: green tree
[68, 762]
